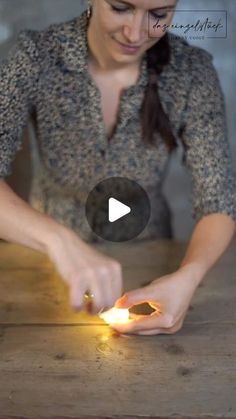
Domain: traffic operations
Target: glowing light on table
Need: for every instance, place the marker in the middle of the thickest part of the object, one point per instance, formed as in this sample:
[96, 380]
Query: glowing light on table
[115, 315]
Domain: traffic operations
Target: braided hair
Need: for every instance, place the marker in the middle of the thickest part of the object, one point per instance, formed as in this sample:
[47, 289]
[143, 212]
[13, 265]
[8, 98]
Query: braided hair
[153, 117]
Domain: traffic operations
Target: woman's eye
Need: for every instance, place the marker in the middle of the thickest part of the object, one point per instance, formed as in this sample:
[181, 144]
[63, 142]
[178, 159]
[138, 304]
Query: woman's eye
[153, 14]
[159, 16]
[117, 10]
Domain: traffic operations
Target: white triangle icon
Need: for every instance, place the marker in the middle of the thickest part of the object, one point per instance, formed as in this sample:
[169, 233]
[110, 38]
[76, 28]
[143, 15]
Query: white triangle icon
[117, 210]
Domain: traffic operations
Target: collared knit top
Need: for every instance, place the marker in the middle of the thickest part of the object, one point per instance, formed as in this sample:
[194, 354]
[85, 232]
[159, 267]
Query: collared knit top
[46, 74]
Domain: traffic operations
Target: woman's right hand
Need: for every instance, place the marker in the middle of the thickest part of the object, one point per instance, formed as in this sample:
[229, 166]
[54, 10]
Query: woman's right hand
[85, 269]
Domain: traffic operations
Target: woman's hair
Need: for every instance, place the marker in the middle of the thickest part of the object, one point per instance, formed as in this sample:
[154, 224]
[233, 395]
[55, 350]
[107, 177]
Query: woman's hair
[153, 117]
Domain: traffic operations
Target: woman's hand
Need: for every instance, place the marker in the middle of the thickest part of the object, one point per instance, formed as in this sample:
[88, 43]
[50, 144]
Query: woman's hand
[86, 270]
[169, 295]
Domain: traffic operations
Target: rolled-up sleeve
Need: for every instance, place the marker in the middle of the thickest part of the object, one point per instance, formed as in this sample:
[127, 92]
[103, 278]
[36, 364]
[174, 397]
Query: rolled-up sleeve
[18, 79]
[204, 136]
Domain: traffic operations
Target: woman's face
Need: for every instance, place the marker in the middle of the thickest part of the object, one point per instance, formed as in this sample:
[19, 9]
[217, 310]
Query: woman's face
[129, 22]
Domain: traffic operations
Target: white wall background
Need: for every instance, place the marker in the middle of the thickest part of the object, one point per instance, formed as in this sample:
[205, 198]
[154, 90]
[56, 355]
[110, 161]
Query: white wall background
[18, 14]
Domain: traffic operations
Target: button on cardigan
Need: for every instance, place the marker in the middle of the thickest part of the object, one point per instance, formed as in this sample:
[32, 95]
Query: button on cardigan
[46, 74]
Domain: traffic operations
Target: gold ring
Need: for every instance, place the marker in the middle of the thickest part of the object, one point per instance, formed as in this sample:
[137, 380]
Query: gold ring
[88, 296]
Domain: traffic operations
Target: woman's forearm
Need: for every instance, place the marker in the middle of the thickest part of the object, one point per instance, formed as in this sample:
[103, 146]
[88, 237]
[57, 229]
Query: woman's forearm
[210, 238]
[22, 224]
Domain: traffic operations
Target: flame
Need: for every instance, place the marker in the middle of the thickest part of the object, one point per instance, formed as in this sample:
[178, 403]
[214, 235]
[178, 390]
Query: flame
[115, 315]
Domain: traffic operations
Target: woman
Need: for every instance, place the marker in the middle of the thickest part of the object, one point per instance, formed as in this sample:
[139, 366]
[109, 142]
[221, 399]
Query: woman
[112, 95]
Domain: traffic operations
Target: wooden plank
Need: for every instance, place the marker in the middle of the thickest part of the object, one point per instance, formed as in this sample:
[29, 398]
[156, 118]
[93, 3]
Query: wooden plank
[36, 296]
[34, 293]
[116, 417]
[87, 371]
[148, 253]
[162, 253]
[13, 256]
[61, 369]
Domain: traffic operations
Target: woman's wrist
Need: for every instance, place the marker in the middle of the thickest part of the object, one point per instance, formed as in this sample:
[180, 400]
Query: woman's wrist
[57, 235]
[52, 234]
[194, 271]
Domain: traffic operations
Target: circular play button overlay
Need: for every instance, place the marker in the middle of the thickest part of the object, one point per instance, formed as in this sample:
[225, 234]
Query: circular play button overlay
[118, 209]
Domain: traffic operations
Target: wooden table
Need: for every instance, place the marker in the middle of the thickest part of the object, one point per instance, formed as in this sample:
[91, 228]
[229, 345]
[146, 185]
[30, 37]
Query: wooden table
[55, 363]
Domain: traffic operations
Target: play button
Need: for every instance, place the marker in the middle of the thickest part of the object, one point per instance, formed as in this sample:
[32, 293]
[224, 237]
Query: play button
[117, 209]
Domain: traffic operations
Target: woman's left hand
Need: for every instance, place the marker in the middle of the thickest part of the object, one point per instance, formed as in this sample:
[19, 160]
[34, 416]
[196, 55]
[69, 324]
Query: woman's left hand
[169, 295]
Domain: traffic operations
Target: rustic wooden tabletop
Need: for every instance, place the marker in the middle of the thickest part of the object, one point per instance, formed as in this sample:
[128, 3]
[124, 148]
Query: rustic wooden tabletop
[55, 363]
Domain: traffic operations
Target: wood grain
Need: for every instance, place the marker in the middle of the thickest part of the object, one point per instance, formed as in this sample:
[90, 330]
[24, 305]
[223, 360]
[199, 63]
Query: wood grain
[78, 371]
[55, 363]
[32, 292]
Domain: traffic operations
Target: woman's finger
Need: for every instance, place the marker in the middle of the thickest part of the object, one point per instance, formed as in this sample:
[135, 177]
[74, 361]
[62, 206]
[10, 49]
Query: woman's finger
[117, 281]
[156, 332]
[145, 322]
[99, 299]
[108, 292]
[151, 332]
[165, 331]
[77, 291]
[135, 297]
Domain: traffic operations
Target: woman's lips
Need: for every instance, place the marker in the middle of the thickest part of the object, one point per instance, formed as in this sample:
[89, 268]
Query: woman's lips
[127, 48]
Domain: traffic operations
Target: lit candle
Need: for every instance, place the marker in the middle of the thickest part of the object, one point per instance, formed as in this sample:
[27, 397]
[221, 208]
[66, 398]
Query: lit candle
[115, 315]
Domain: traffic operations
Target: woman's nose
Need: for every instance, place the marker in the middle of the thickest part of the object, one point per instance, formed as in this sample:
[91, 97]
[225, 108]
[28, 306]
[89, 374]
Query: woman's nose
[135, 29]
